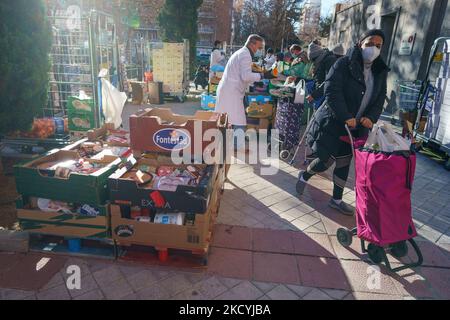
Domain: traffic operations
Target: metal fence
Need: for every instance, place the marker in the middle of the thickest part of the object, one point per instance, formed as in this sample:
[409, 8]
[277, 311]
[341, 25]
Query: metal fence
[80, 49]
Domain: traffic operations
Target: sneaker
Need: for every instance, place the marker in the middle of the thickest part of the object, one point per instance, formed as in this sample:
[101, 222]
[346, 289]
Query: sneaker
[301, 185]
[342, 207]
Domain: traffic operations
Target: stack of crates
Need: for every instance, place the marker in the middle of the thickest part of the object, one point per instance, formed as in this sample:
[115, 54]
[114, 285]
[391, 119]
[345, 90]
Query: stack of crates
[135, 206]
[81, 112]
[34, 182]
[169, 67]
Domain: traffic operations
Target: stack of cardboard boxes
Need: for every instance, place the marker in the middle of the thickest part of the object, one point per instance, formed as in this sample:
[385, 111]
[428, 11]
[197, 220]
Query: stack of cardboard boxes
[182, 215]
[170, 66]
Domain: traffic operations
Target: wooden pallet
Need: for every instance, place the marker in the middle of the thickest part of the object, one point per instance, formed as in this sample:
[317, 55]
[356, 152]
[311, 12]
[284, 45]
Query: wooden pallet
[97, 248]
[157, 255]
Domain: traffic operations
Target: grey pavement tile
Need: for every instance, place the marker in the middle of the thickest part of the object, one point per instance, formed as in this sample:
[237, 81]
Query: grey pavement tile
[301, 291]
[190, 294]
[117, 289]
[153, 292]
[13, 294]
[142, 279]
[91, 295]
[243, 291]
[56, 293]
[107, 275]
[264, 286]
[87, 284]
[316, 294]
[57, 280]
[281, 292]
[210, 288]
[229, 282]
[336, 294]
[175, 284]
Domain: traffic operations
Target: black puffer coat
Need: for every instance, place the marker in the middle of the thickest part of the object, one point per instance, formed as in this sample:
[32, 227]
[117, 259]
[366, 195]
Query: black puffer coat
[344, 90]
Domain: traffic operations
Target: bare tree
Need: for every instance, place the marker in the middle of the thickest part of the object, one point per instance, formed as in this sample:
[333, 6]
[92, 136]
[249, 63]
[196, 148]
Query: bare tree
[273, 19]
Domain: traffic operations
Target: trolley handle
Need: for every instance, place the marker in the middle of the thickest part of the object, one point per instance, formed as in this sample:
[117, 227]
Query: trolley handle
[352, 142]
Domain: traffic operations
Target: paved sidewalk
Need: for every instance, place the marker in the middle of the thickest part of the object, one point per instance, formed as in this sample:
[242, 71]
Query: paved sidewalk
[270, 244]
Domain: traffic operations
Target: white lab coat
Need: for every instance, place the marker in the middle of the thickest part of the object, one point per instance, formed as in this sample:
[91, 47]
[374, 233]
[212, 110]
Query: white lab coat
[237, 77]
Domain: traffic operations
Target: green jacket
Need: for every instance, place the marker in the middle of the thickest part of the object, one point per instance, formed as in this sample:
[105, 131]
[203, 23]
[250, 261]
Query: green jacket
[301, 70]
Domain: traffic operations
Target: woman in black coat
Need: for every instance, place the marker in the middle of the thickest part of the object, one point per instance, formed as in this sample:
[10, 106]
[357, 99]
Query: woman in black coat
[355, 91]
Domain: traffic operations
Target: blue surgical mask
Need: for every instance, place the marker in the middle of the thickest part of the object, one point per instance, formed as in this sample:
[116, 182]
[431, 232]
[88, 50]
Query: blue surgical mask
[259, 54]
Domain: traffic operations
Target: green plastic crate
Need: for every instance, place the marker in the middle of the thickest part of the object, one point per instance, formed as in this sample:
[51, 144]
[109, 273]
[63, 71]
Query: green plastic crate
[77, 188]
[66, 225]
[81, 121]
[76, 105]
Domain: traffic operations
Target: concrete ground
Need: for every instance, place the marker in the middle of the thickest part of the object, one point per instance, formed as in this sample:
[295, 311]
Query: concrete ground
[271, 244]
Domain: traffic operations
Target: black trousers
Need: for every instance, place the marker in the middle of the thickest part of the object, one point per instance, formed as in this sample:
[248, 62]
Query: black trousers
[325, 160]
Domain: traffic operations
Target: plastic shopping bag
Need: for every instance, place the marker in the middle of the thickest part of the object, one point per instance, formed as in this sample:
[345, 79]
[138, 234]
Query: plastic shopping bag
[300, 92]
[113, 101]
[383, 138]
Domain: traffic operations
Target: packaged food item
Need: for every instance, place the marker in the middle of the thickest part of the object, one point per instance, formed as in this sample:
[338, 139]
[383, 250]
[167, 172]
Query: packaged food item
[172, 218]
[87, 210]
[169, 183]
[164, 171]
[47, 205]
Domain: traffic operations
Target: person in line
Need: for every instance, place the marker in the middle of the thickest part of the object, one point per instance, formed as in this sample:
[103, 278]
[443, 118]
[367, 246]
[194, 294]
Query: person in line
[355, 91]
[217, 57]
[301, 67]
[236, 79]
[338, 50]
[270, 59]
[323, 60]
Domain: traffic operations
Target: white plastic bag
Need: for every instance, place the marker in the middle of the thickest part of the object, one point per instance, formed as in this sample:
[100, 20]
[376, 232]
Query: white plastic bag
[383, 138]
[300, 92]
[113, 102]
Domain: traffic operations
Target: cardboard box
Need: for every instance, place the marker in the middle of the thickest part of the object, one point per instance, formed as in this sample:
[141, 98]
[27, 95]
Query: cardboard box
[159, 130]
[102, 135]
[189, 199]
[262, 111]
[258, 124]
[194, 238]
[35, 221]
[89, 189]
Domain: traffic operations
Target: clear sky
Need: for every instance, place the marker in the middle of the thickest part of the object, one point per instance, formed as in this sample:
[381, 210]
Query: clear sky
[327, 7]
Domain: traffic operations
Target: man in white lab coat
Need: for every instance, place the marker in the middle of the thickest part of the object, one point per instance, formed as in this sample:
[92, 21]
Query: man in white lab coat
[237, 77]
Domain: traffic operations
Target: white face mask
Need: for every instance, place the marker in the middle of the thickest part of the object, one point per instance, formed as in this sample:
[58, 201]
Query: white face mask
[370, 54]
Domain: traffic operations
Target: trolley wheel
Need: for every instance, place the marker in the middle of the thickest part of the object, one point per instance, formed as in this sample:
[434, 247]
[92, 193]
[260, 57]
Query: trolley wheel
[399, 249]
[285, 154]
[447, 165]
[375, 253]
[345, 237]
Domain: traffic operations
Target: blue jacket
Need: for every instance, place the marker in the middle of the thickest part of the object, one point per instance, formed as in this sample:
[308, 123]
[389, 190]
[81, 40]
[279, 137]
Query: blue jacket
[344, 90]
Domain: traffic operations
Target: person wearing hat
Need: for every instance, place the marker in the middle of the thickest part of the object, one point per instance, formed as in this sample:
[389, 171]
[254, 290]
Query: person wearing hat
[323, 60]
[338, 50]
[355, 91]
